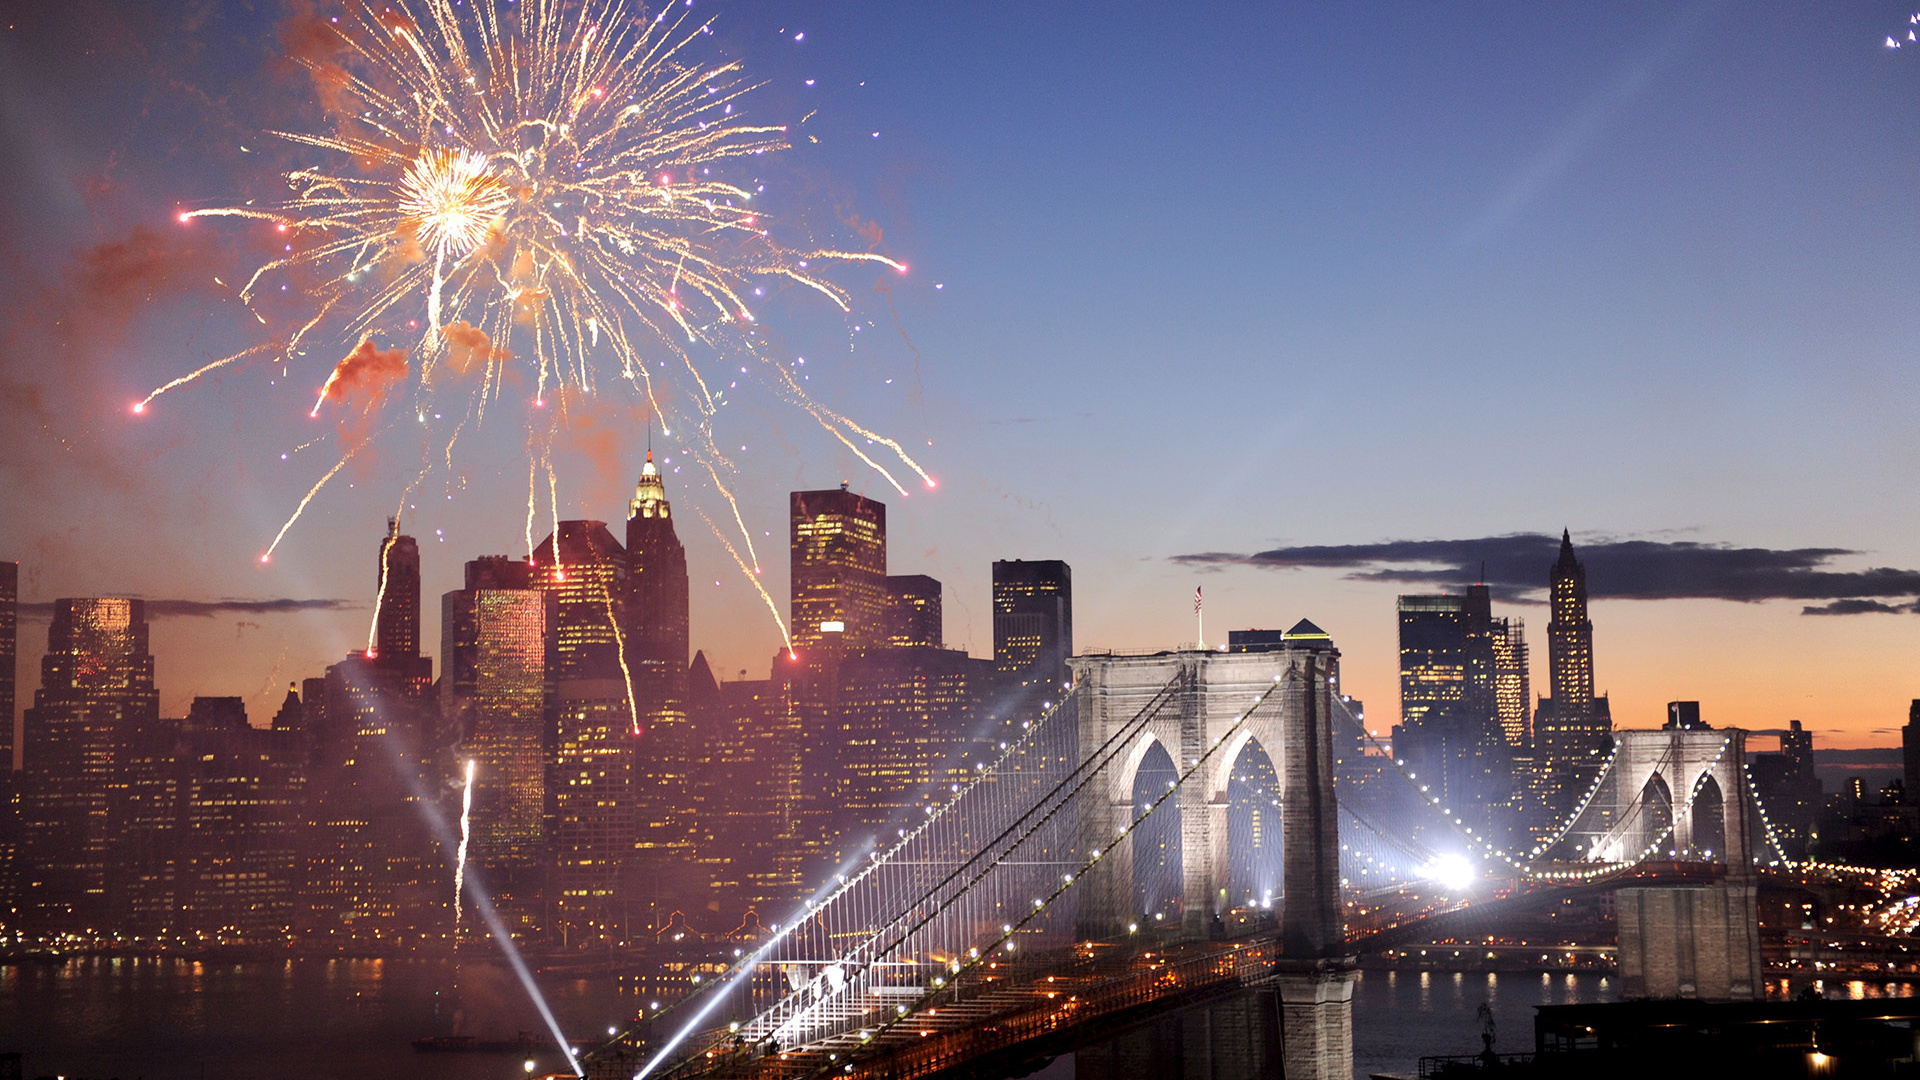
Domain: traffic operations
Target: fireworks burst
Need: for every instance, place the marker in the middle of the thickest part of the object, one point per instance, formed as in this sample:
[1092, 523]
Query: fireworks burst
[534, 193]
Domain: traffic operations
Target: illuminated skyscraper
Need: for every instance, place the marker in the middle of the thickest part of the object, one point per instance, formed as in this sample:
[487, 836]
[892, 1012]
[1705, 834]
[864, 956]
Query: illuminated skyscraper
[1573, 727]
[839, 563]
[1433, 654]
[1033, 620]
[591, 771]
[371, 864]
[1512, 689]
[656, 629]
[914, 616]
[494, 698]
[96, 693]
[585, 569]
[396, 629]
[10, 734]
[1449, 733]
[910, 724]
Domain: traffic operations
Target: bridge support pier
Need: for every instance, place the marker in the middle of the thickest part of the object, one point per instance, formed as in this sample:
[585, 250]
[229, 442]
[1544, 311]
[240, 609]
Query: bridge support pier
[1700, 942]
[1316, 1018]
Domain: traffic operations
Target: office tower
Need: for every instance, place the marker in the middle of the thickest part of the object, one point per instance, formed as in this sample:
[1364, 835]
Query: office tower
[96, 691]
[397, 623]
[1033, 620]
[751, 813]
[1450, 733]
[914, 617]
[1572, 727]
[1512, 684]
[910, 725]
[10, 734]
[1433, 654]
[591, 768]
[372, 866]
[585, 570]
[494, 700]
[1910, 747]
[838, 548]
[656, 629]
[240, 793]
[1789, 790]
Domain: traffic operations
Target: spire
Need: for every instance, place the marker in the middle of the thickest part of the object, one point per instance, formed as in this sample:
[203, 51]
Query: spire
[1567, 561]
[650, 494]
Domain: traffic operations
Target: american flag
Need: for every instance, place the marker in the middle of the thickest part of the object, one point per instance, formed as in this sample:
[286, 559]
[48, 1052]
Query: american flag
[1196, 599]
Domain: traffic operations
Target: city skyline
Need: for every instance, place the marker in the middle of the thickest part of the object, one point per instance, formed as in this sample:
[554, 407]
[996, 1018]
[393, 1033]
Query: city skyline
[1622, 268]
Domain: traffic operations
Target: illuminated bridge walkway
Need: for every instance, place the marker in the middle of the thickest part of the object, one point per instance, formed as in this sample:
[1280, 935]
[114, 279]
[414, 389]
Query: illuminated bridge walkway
[1136, 852]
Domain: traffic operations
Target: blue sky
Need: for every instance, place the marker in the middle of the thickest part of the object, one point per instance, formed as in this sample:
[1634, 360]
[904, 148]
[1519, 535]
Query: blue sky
[1213, 278]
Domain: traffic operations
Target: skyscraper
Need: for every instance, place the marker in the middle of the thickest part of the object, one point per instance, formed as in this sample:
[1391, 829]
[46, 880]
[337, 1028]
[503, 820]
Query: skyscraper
[397, 627]
[838, 548]
[9, 671]
[1910, 750]
[1512, 683]
[1572, 727]
[656, 629]
[914, 616]
[494, 699]
[585, 569]
[96, 695]
[1033, 619]
[1450, 733]
[910, 724]
[395, 651]
[591, 779]
[1433, 654]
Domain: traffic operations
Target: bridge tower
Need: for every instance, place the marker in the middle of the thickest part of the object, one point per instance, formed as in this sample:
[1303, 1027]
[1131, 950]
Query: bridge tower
[1211, 691]
[1687, 941]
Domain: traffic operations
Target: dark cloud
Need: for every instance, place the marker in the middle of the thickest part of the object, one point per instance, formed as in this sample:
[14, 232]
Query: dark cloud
[206, 609]
[1857, 607]
[1516, 566]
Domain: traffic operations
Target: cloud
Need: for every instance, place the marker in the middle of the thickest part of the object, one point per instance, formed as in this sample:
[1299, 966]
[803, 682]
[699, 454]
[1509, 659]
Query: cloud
[1857, 607]
[206, 609]
[1516, 567]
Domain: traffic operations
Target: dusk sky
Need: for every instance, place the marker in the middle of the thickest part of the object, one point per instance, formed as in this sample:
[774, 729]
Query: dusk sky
[1309, 305]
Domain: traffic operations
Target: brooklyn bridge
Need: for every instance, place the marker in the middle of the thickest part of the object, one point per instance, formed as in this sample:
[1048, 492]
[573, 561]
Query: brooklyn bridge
[1102, 877]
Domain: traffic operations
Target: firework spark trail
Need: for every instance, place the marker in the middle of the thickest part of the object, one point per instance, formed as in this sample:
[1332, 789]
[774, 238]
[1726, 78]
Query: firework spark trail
[262, 349]
[380, 598]
[460, 863]
[750, 576]
[550, 174]
[311, 492]
[620, 650]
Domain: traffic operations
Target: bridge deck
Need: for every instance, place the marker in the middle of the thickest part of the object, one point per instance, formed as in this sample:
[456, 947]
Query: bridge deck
[1044, 1004]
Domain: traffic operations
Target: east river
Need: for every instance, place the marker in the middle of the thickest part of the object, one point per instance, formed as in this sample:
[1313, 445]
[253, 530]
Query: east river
[321, 1020]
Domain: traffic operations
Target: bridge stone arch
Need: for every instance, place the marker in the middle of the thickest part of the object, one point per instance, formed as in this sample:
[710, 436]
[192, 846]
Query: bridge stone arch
[1687, 761]
[1212, 692]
